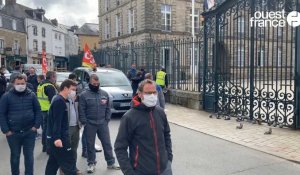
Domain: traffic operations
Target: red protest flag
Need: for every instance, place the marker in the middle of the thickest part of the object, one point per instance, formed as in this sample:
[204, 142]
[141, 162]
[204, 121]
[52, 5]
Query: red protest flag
[44, 63]
[88, 58]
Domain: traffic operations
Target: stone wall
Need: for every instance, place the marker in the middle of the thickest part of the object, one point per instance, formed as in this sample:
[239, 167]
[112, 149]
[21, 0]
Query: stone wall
[187, 99]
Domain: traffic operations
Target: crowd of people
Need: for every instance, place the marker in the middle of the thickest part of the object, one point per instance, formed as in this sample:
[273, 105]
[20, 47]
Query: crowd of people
[32, 101]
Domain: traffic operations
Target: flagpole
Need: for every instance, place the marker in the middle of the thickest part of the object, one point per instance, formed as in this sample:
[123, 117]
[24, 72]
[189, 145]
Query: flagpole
[193, 42]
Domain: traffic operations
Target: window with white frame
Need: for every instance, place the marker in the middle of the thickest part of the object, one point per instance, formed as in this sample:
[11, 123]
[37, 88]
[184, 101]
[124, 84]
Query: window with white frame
[34, 29]
[59, 37]
[0, 21]
[261, 57]
[130, 21]
[56, 35]
[107, 30]
[279, 57]
[2, 45]
[16, 46]
[241, 25]
[14, 24]
[196, 20]
[166, 17]
[35, 45]
[240, 57]
[43, 32]
[118, 25]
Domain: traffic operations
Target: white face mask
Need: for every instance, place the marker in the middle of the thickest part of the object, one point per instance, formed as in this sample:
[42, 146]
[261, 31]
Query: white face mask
[72, 94]
[20, 88]
[150, 100]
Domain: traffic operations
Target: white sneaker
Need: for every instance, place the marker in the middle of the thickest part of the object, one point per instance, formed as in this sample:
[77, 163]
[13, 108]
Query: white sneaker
[91, 168]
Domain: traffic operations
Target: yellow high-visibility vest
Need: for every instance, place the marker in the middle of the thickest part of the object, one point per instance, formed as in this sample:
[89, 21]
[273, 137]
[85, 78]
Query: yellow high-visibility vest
[160, 78]
[42, 97]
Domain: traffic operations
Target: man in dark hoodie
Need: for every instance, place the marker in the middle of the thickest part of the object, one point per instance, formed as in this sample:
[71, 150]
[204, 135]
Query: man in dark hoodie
[45, 92]
[20, 117]
[144, 129]
[32, 79]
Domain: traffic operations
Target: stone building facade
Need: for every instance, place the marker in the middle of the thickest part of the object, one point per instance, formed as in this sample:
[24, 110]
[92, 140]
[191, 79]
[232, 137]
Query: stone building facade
[12, 41]
[132, 21]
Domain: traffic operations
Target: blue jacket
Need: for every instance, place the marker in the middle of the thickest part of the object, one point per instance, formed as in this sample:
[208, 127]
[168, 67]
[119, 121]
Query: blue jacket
[19, 111]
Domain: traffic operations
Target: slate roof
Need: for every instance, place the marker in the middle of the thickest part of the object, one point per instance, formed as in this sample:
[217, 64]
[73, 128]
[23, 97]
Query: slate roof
[7, 23]
[21, 11]
[88, 29]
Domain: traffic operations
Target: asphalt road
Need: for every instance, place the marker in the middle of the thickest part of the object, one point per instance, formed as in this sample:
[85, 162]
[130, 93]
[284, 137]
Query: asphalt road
[194, 154]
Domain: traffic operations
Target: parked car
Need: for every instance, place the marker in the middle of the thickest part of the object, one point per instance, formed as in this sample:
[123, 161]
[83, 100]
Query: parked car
[61, 76]
[113, 81]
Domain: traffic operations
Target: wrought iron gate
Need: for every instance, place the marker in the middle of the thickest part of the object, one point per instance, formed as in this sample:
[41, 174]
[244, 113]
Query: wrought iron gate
[250, 72]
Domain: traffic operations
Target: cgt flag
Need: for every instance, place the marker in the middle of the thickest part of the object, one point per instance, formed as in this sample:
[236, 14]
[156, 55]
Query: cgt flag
[44, 63]
[88, 58]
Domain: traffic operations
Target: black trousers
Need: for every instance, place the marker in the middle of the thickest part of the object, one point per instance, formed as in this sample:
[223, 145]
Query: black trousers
[62, 158]
[44, 127]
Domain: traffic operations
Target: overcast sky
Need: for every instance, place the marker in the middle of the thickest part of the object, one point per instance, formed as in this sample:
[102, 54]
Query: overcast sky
[68, 12]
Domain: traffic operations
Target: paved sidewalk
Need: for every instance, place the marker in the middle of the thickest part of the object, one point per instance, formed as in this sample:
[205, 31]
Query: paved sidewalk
[283, 142]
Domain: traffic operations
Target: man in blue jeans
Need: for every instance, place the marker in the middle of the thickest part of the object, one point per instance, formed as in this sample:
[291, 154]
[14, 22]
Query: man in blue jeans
[20, 117]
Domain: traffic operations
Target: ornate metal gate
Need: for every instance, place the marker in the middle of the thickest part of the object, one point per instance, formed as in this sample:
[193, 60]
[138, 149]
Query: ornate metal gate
[250, 71]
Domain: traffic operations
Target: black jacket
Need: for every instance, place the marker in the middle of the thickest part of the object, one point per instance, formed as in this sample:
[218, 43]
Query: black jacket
[19, 111]
[147, 134]
[50, 90]
[58, 122]
[32, 79]
[3, 84]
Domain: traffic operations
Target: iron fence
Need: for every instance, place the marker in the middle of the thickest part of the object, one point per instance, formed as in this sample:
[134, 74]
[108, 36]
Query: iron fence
[242, 69]
[174, 55]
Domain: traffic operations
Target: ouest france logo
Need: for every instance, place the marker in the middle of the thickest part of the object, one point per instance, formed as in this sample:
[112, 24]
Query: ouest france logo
[275, 19]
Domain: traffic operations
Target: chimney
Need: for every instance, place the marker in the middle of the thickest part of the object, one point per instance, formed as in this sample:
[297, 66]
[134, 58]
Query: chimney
[54, 22]
[10, 2]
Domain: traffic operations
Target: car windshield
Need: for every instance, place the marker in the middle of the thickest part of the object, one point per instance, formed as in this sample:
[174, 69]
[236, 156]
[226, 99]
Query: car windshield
[109, 79]
[62, 77]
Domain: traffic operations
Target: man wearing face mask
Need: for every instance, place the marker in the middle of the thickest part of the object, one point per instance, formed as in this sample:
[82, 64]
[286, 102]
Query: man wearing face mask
[73, 117]
[94, 113]
[20, 117]
[45, 93]
[58, 138]
[144, 129]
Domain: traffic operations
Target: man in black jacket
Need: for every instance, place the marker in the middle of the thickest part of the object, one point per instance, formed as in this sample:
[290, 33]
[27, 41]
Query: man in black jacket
[58, 139]
[145, 130]
[32, 79]
[45, 93]
[3, 82]
[95, 113]
[20, 117]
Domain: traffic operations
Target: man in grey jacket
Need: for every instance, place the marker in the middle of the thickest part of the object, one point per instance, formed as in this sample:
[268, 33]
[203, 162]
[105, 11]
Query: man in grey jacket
[94, 113]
